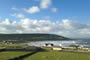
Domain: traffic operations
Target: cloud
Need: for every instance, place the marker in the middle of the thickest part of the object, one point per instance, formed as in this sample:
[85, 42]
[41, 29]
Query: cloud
[36, 0]
[32, 10]
[45, 3]
[66, 28]
[13, 8]
[19, 15]
[54, 9]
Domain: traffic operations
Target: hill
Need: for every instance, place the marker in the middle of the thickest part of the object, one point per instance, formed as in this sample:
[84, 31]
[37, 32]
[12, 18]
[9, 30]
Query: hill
[31, 37]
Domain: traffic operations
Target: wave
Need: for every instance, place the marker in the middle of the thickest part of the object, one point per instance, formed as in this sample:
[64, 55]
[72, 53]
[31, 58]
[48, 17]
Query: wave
[60, 43]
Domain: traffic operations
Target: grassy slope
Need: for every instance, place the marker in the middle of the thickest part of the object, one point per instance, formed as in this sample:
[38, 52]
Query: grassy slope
[58, 56]
[34, 37]
[11, 54]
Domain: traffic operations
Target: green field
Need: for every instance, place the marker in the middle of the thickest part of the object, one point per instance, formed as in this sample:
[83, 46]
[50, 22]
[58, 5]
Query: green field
[53, 55]
[11, 54]
[13, 45]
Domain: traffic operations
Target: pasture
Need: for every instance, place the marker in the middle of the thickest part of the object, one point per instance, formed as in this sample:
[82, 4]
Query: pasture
[11, 54]
[55, 55]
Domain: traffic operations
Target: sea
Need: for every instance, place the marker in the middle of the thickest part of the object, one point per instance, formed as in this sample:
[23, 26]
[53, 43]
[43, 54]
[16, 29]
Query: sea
[63, 43]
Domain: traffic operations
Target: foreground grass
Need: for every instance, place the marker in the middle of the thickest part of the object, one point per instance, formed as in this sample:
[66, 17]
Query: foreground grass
[53, 55]
[11, 54]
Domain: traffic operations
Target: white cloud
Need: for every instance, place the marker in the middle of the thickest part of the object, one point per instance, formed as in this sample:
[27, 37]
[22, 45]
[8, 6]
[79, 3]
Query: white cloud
[32, 10]
[66, 28]
[45, 3]
[19, 15]
[13, 8]
[54, 9]
[36, 0]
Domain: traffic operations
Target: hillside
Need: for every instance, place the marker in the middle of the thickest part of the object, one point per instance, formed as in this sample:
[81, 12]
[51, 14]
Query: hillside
[31, 37]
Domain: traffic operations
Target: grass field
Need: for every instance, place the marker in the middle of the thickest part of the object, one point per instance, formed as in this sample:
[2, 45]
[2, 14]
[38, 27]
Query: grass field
[12, 45]
[11, 54]
[53, 55]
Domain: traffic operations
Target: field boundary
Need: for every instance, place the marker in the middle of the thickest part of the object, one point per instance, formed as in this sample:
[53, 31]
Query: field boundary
[24, 56]
[1, 50]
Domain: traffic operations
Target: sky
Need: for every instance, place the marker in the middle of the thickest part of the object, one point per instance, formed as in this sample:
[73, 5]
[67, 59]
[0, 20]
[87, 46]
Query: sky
[70, 18]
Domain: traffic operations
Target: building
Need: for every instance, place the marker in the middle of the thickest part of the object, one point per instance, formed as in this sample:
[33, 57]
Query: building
[57, 48]
[73, 46]
[48, 45]
[85, 48]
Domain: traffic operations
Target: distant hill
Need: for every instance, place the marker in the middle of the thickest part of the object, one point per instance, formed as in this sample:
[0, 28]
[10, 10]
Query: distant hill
[32, 37]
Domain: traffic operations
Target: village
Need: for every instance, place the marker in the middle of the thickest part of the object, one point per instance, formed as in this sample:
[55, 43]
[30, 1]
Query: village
[17, 50]
[46, 46]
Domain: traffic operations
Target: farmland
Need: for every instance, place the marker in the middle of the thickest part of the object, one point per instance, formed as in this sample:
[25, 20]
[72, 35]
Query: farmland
[41, 54]
[11, 54]
[12, 45]
[45, 55]
[54, 55]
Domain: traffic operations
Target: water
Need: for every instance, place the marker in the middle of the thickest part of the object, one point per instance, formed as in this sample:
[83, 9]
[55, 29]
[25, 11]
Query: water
[84, 42]
[60, 43]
